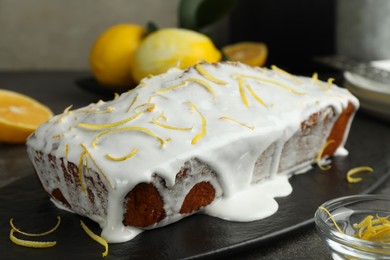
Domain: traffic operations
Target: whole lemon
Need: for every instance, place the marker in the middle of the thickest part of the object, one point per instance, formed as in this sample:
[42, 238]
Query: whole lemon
[112, 53]
[172, 47]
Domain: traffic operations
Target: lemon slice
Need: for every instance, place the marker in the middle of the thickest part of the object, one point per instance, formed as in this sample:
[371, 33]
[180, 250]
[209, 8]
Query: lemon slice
[20, 115]
[250, 53]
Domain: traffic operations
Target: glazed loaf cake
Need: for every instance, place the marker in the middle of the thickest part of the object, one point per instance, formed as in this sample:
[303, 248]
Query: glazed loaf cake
[205, 139]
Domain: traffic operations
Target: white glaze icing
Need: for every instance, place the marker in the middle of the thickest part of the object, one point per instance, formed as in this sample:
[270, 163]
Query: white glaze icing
[229, 147]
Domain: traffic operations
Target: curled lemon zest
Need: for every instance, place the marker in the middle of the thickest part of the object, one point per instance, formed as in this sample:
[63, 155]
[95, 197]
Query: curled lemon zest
[373, 229]
[319, 156]
[33, 234]
[208, 76]
[116, 95]
[66, 151]
[80, 170]
[123, 158]
[330, 83]
[314, 77]
[315, 80]
[149, 107]
[154, 121]
[97, 166]
[109, 125]
[95, 237]
[356, 170]
[258, 99]
[291, 76]
[332, 218]
[184, 83]
[162, 116]
[157, 95]
[238, 122]
[172, 87]
[203, 83]
[29, 243]
[132, 103]
[242, 91]
[129, 128]
[272, 82]
[203, 127]
[65, 112]
[67, 109]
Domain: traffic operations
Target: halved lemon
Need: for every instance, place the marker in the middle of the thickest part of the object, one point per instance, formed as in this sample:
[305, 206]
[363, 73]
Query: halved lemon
[20, 115]
[250, 53]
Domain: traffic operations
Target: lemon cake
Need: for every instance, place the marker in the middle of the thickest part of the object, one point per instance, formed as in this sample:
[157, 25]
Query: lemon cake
[200, 140]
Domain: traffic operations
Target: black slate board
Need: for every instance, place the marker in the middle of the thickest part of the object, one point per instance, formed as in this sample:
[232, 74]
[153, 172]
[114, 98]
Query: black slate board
[198, 236]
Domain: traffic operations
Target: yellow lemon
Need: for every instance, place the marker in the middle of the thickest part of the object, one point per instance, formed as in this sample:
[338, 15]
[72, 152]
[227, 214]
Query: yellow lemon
[20, 115]
[112, 53]
[251, 53]
[172, 47]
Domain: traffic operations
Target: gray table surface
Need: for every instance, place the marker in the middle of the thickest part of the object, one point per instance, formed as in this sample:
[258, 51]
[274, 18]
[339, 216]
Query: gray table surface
[58, 90]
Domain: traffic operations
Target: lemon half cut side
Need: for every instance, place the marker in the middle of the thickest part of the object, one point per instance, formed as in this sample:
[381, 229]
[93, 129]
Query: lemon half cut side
[20, 115]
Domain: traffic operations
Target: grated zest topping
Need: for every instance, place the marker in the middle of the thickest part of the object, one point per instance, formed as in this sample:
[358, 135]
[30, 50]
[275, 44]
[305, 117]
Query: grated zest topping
[208, 76]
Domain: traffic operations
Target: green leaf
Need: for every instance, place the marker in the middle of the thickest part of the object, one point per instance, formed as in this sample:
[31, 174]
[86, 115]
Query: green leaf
[196, 14]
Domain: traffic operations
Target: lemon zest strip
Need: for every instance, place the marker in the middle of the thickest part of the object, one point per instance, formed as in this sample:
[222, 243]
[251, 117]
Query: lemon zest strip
[172, 87]
[66, 151]
[80, 170]
[65, 112]
[132, 102]
[150, 106]
[129, 128]
[97, 166]
[208, 76]
[255, 96]
[116, 95]
[319, 156]
[291, 76]
[67, 109]
[315, 80]
[203, 127]
[162, 116]
[123, 158]
[373, 229]
[314, 77]
[330, 83]
[332, 218]
[238, 122]
[33, 234]
[184, 83]
[242, 91]
[95, 237]
[203, 83]
[154, 121]
[270, 81]
[356, 170]
[29, 243]
[110, 125]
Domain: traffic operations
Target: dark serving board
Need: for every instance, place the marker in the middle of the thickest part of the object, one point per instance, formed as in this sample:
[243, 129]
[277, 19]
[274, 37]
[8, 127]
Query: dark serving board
[199, 235]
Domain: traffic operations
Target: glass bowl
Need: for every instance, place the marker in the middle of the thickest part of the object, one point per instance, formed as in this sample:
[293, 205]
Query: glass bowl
[346, 211]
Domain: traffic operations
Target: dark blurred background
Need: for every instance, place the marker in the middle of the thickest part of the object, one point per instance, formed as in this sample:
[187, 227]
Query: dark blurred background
[294, 31]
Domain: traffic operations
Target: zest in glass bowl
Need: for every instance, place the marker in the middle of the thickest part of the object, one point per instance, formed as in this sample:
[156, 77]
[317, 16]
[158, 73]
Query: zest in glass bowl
[346, 211]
